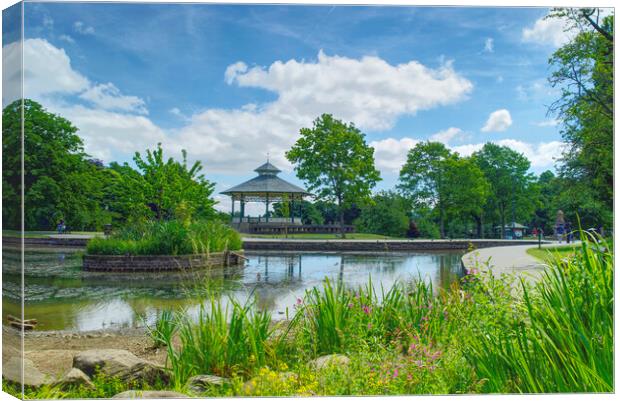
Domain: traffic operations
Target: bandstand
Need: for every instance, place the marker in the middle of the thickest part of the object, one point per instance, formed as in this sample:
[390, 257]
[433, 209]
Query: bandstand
[266, 188]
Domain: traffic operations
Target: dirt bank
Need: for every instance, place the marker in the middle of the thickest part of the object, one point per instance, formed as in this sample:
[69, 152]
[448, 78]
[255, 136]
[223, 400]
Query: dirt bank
[52, 352]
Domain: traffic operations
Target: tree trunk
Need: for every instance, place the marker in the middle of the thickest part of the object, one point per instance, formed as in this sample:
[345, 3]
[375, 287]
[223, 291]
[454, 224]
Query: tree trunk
[503, 221]
[341, 212]
[478, 219]
[442, 231]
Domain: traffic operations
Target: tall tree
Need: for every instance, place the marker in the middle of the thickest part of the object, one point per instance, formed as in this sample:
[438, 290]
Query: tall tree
[583, 70]
[422, 178]
[466, 190]
[334, 160]
[387, 214]
[162, 188]
[507, 172]
[60, 180]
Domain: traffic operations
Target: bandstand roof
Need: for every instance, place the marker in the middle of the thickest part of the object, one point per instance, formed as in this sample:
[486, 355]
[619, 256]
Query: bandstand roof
[266, 185]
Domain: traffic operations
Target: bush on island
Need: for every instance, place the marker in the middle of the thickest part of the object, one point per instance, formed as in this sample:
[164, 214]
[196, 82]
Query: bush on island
[168, 238]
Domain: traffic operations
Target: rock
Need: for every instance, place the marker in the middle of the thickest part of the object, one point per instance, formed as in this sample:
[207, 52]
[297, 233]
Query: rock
[12, 372]
[119, 363]
[330, 360]
[74, 378]
[133, 394]
[201, 383]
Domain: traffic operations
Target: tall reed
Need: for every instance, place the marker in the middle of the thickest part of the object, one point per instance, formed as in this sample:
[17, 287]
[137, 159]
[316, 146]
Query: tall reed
[565, 341]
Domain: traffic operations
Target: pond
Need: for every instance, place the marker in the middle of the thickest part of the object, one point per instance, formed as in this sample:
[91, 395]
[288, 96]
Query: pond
[63, 297]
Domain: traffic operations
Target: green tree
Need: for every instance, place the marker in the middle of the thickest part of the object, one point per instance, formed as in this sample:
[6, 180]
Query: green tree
[334, 160]
[308, 211]
[60, 181]
[161, 189]
[466, 191]
[387, 214]
[583, 70]
[422, 178]
[512, 193]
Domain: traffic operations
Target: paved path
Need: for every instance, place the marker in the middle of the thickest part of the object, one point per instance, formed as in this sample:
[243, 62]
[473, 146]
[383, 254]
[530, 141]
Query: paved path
[507, 259]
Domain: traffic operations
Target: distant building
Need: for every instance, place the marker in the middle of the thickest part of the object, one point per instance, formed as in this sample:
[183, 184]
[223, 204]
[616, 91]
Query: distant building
[513, 230]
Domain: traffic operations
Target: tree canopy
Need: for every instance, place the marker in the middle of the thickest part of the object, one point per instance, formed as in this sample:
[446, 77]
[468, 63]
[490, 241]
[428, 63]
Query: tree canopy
[334, 160]
[62, 182]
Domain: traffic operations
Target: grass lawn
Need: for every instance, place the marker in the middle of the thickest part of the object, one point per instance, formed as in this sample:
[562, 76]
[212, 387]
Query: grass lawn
[319, 236]
[43, 234]
[547, 254]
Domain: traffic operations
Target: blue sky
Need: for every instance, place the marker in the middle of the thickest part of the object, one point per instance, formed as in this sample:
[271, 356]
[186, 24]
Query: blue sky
[233, 83]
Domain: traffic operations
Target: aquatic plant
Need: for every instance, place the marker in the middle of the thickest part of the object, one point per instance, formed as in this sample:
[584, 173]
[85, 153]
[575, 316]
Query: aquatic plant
[167, 238]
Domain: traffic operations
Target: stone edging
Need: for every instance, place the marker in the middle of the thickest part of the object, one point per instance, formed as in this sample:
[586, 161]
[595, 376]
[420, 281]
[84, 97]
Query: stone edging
[159, 263]
[376, 246]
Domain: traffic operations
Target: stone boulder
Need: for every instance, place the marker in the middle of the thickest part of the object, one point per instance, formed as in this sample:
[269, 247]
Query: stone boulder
[12, 372]
[134, 394]
[325, 361]
[74, 378]
[201, 383]
[119, 363]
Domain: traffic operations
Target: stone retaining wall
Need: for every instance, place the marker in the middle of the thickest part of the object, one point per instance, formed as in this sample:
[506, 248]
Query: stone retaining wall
[377, 246]
[159, 263]
[55, 242]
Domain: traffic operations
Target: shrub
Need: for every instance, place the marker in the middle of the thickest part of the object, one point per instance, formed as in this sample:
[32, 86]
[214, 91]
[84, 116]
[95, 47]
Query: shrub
[168, 238]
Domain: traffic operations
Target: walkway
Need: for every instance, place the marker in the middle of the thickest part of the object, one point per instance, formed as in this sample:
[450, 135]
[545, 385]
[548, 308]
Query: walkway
[507, 259]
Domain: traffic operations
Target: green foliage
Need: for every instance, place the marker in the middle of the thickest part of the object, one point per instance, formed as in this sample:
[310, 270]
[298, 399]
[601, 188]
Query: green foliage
[60, 181]
[486, 334]
[167, 238]
[225, 340]
[436, 179]
[160, 189]
[565, 342]
[583, 70]
[335, 161]
[512, 189]
[386, 215]
[164, 330]
[309, 212]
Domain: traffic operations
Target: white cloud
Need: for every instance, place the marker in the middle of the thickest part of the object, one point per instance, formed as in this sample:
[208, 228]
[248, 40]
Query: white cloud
[47, 70]
[541, 155]
[48, 22]
[108, 135]
[66, 38]
[109, 97]
[448, 135]
[547, 123]
[538, 89]
[488, 45]
[391, 154]
[82, 28]
[555, 31]
[548, 31]
[498, 121]
[233, 70]
[368, 91]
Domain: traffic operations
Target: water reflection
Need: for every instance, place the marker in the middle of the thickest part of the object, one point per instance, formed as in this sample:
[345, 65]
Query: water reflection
[62, 296]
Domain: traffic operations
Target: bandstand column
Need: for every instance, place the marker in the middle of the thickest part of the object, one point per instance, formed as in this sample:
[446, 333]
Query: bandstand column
[232, 213]
[291, 207]
[267, 207]
[242, 209]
